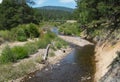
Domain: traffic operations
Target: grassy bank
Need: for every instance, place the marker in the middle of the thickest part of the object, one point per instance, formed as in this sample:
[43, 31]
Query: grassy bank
[12, 55]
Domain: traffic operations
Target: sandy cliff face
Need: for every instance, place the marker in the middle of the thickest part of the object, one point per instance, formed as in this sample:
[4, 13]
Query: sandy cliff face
[105, 55]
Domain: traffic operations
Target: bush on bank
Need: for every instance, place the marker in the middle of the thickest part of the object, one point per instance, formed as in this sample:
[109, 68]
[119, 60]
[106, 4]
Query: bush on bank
[69, 29]
[20, 33]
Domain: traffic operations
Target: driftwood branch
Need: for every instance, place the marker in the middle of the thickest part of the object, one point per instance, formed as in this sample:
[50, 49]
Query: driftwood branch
[45, 56]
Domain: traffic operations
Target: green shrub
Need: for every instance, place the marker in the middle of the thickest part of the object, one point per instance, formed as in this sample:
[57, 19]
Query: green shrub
[49, 36]
[13, 33]
[23, 32]
[21, 36]
[7, 55]
[46, 39]
[42, 43]
[13, 54]
[17, 52]
[69, 29]
[59, 43]
[31, 47]
[5, 34]
[18, 34]
[20, 52]
[31, 31]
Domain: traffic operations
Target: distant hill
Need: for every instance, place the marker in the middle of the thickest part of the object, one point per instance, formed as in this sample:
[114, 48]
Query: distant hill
[56, 8]
[54, 13]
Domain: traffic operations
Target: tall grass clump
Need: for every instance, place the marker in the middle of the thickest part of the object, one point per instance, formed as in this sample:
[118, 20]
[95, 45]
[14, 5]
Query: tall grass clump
[21, 36]
[59, 43]
[9, 72]
[46, 39]
[5, 34]
[20, 52]
[31, 47]
[7, 55]
[13, 54]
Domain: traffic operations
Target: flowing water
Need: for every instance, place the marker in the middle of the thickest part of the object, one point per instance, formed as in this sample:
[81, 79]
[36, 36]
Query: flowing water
[78, 66]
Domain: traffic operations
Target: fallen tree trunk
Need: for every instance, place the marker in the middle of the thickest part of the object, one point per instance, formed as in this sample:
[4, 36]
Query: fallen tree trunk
[45, 56]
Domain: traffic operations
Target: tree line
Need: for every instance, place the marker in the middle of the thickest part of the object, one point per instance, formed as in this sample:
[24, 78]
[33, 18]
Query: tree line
[89, 10]
[98, 15]
[15, 12]
[52, 15]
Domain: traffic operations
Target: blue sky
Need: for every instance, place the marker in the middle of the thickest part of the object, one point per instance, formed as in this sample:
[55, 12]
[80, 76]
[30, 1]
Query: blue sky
[65, 3]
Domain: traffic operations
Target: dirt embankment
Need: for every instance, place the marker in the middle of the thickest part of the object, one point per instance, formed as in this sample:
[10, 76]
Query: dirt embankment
[105, 58]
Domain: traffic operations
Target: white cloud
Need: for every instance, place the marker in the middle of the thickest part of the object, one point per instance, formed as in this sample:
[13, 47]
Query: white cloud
[0, 1]
[67, 1]
[39, 2]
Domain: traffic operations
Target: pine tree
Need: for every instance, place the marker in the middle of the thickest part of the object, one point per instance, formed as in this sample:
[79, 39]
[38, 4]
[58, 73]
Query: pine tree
[15, 12]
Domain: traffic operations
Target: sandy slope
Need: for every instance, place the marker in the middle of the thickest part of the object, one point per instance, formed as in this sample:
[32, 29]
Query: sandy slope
[104, 57]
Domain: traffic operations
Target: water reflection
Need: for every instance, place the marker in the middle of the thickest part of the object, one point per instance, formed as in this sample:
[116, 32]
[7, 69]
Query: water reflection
[55, 30]
[85, 59]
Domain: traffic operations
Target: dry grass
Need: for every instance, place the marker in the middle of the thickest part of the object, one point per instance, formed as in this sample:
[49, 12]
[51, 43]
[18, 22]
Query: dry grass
[10, 72]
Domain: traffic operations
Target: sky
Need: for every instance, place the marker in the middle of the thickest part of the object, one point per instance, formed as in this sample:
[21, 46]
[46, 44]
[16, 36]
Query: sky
[65, 3]
[0, 1]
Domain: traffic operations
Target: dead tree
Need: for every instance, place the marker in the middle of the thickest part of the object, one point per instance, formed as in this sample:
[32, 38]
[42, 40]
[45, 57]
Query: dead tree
[45, 56]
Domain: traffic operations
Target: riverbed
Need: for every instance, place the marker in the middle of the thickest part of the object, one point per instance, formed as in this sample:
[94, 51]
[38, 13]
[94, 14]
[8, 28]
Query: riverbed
[78, 66]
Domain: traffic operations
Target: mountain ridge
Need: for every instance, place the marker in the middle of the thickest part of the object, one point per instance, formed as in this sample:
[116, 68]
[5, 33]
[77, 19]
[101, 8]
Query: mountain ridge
[57, 8]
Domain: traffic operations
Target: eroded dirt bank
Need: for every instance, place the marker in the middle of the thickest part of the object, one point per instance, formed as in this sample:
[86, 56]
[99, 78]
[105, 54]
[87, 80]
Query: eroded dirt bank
[107, 68]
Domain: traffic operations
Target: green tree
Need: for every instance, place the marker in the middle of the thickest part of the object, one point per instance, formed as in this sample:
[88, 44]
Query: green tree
[15, 12]
[90, 10]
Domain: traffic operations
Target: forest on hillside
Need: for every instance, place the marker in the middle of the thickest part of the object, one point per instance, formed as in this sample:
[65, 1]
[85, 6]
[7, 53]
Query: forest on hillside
[15, 12]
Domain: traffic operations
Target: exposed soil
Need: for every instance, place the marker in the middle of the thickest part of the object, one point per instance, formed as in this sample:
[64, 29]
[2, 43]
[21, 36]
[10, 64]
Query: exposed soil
[104, 58]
